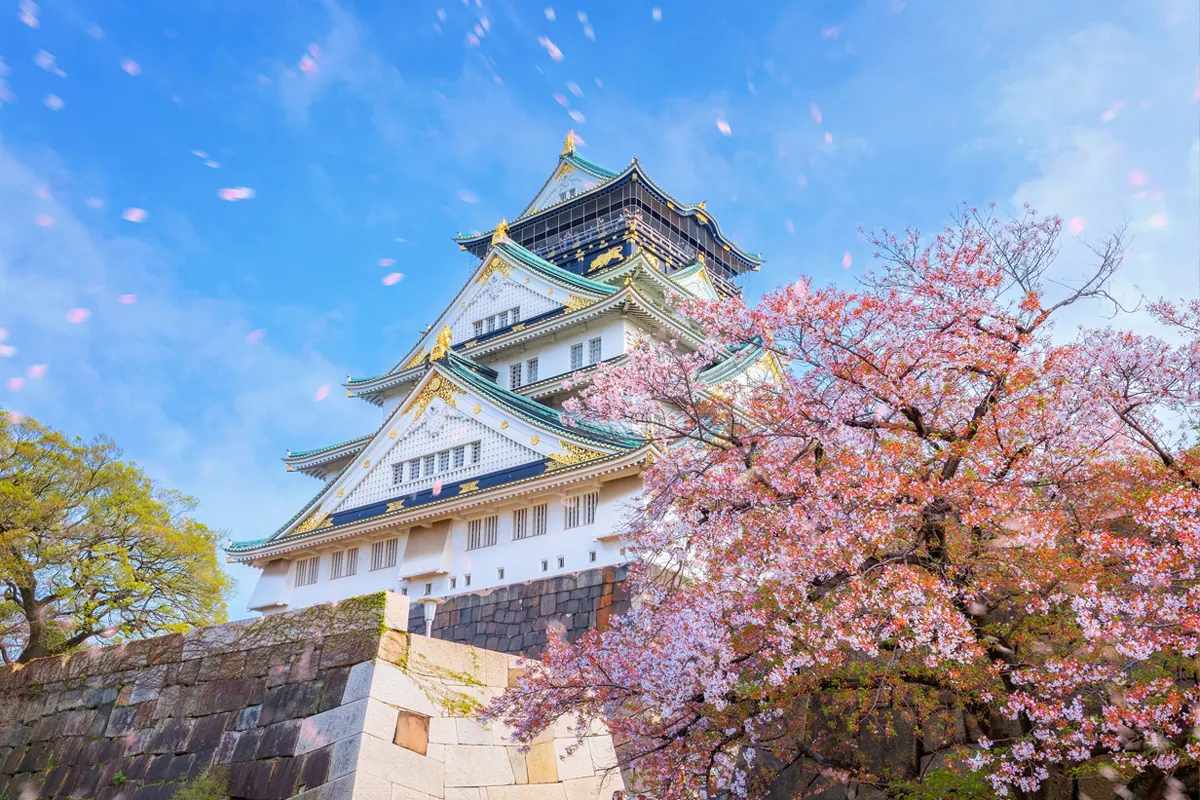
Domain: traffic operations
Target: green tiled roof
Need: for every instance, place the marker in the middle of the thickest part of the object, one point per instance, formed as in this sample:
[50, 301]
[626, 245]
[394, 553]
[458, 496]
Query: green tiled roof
[551, 271]
[590, 167]
[319, 450]
[743, 357]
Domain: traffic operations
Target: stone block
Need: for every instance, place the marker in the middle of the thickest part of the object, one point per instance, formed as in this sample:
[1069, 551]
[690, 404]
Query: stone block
[604, 756]
[382, 759]
[371, 787]
[516, 760]
[169, 702]
[531, 792]
[405, 793]
[471, 732]
[179, 767]
[482, 765]
[338, 789]
[121, 721]
[465, 793]
[443, 730]
[248, 718]
[249, 779]
[346, 649]
[358, 682]
[147, 684]
[156, 769]
[412, 732]
[599, 787]
[394, 686]
[329, 727]
[217, 696]
[333, 687]
[316, 767]
[574, 759]
[227, 747]
[289, 701]
[170, 736]
[542, 763]
[279, 739]
[100, 696]
[208, 731]
[437, 752]
[247, 745]
[380, 719]
[284, 778]
[344, 760]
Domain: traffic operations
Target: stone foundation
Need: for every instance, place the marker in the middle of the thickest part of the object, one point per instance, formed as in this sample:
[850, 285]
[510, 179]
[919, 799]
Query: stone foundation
[514, 619]
[333, 702]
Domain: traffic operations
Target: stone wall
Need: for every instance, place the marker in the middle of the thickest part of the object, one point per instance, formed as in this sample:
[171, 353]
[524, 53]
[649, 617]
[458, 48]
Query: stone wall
[333, 702]
[514, 619]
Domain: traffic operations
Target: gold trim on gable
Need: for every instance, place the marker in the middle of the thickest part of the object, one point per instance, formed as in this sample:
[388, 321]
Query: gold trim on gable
[576, 454]
[468, 486]
[396, 505]
[576, 302]
[315, 521]
[437, 387]
[416, 359]
[495, 265]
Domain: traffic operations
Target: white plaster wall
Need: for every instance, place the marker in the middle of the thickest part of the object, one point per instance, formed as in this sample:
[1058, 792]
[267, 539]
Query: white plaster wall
[500, 294]
[553, 351]
[325, 590]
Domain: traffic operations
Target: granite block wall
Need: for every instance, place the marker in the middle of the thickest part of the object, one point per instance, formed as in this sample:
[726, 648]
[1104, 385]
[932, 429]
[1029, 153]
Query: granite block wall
[333, 702]
[514, 619]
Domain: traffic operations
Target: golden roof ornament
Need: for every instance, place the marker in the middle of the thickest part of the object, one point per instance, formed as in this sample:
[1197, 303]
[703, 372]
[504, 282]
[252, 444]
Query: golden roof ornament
[569, 144]
[501, 232]
[442, 346]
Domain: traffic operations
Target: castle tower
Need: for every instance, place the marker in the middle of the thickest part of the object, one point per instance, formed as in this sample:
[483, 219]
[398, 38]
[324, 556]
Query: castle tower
[473, 482]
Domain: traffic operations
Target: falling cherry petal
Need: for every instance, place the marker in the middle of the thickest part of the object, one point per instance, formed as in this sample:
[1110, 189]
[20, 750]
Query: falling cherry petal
[322, 392]
[814, 112]
[131, 66]
[656, 14]
[1157, 221]
[235, 194]
[789, 226]
[43, 220]
[255, 336]
[847, 261]
[828, 137]
[561, 99]
[1138, 178]
[386, 262]
[213, 164]
[42, 192]
[53, 102]
[127, 299]
[392, 278]
[314, 50]
[95, 202]
[1076, 225]
[14, 418]
[549, 12]
[28, 13]
[723, 127]
[133, 214]
[78, 315]
[44, 60]
[577, 115]
[830, 32]
[467, 196]
[574, 89]
[36, 371]
[437, 487]
[551, 48]
[307, 64]
[7, 351]
[15, 384]
[1111, 113]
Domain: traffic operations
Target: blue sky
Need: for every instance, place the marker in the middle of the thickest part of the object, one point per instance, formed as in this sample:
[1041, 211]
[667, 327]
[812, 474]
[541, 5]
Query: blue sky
[403, 126]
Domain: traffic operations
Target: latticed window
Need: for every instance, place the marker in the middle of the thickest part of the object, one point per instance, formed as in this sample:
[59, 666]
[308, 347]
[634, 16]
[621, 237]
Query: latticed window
[478, 327]
[343, 563]
[521, 523]
[580, 510]
[571, 513]
[514, 376]
[539, 520]
[398, 472]
[502, 319]
[428, 466]
[475, 448]
[531, 370]
[443, 460]
[414, 469]
[515, 315]
[594, 351]
[482, 532]
[590, 501]
[383, 554]
[460, 456]
[490, 324]
[306, 571]
[576, 356]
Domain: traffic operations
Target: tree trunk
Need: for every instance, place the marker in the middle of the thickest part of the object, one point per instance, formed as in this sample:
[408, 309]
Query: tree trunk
[38, 643]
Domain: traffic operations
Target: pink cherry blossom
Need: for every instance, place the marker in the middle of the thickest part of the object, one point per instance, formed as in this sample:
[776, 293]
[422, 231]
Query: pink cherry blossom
[133, 214]
[723, 127]
[14, 417]
[127, 299]
[467, 196]
[130, 66]
[846, 261]
[828, 137]
[36, 371]
[307, 64]
[561, 99]
[386, 262]
[789, 226]
[935, 508]
[830, 32]
[42, 192]
[576, 115]
[1138, 178]
[814, 112]
[392, 278]
[1076, 226]
[15, 384]
[53, 102]
[43, 220]
[28, 13]
[656, 14]
[1157, 221]
[77, 315]
[255, 336]
[322, 392]
[95, 202]
[549, 12]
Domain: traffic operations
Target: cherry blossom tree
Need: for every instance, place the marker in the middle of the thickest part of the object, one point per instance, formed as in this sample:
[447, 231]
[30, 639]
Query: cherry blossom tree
[944, 525]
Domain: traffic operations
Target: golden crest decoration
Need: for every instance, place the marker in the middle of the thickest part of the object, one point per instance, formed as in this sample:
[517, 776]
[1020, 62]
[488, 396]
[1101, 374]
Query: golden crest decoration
[437, 387]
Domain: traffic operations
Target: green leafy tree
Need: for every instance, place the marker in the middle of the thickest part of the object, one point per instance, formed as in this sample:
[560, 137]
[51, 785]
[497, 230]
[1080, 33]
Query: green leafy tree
[91, 547]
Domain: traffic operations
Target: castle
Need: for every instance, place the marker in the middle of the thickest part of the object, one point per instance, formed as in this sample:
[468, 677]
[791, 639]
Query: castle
[474, 481]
